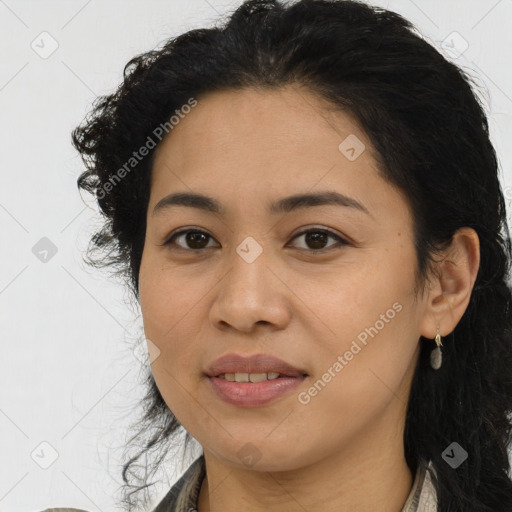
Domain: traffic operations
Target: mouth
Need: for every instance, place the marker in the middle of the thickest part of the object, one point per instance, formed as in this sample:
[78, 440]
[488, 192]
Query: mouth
[253, 381]
[254, 377]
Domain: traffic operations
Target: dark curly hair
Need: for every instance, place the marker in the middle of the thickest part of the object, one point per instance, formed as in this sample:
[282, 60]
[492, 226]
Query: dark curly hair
[432, 140]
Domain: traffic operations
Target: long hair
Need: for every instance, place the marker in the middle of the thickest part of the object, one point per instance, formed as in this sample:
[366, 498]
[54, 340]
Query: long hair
[431, 135]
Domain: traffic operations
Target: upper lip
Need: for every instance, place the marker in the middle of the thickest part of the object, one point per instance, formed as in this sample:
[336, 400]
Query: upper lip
[259, 363]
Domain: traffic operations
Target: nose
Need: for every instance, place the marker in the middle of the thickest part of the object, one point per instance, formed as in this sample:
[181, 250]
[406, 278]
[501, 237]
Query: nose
[252, 292]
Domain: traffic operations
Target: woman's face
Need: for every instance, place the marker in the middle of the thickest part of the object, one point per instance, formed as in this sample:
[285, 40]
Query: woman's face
[341, 311]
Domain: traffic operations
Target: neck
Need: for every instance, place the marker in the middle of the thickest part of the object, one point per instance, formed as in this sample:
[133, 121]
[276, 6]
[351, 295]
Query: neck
[369, 473]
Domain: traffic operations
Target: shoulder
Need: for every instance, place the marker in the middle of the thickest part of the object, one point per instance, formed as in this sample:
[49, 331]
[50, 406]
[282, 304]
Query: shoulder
[422, 497]
[428, 495]
[184, 493]
[182, 496]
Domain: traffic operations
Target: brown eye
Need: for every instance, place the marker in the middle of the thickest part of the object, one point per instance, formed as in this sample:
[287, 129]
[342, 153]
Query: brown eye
[197, 240]
[193, 239]
[316, 239]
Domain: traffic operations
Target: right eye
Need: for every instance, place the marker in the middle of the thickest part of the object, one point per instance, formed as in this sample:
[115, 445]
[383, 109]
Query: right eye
[194, 238]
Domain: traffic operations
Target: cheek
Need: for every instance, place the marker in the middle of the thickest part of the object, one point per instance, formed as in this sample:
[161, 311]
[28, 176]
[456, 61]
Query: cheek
[167, 308]
[356, 296]
[173, 314]
[356, 381]
[167, 297]
[372, 335]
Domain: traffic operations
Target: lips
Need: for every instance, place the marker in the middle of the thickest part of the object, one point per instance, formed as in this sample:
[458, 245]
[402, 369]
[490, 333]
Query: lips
[254, 381]
[260, 363]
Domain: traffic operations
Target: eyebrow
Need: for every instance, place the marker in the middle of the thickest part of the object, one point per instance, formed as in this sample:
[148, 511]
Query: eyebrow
[284, 205]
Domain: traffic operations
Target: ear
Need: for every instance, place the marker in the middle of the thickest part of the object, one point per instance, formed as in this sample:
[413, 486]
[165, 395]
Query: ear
[450, 291]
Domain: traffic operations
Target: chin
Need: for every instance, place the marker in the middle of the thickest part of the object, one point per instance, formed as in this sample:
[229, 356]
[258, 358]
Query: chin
[258, 453]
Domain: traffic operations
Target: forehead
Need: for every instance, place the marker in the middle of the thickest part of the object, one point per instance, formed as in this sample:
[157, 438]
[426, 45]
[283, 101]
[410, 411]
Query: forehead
[287, 121]
[241, 144]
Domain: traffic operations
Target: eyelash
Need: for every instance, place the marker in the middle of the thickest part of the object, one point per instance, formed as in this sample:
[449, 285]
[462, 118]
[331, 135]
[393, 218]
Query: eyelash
[325, 231]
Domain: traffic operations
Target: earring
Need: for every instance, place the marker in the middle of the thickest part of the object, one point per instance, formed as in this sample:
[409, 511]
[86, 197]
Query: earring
[436, 356]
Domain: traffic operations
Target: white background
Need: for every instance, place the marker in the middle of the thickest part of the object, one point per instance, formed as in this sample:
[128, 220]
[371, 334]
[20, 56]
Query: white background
[68, 374]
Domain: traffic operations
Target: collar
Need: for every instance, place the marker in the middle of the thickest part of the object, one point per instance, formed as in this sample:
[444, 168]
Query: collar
[184, 494]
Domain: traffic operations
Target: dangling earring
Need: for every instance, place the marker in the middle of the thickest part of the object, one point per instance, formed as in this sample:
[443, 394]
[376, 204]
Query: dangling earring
[436, 356]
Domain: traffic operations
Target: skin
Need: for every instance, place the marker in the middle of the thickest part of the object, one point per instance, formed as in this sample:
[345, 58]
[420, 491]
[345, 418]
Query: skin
[343, 450]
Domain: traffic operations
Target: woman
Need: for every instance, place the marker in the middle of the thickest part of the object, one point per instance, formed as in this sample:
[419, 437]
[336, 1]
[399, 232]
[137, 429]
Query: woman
[306, 203]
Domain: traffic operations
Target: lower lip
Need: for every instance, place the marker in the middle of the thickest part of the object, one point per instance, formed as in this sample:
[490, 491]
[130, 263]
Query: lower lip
[253, 394]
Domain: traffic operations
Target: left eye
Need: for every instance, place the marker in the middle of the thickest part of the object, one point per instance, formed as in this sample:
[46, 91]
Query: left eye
[318, 237]
[315, 238]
